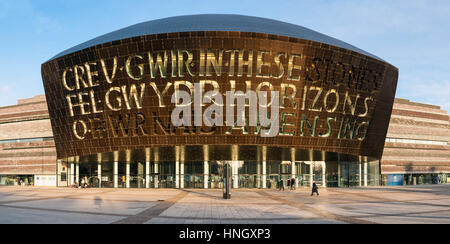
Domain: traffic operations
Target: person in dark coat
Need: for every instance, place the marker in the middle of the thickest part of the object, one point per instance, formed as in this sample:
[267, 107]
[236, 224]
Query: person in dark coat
[281, 184]
[293, 183]
[315, 189]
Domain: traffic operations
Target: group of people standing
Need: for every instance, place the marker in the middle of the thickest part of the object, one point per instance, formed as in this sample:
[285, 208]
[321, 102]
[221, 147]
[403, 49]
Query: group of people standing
[291, 186]
[82, 183]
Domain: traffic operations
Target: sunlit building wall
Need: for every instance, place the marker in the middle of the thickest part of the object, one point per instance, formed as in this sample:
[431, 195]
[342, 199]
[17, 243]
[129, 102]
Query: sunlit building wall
[27, 149]
[417, 148]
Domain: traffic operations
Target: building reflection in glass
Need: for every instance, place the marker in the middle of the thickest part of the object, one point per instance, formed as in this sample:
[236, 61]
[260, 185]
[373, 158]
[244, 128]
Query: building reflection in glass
[162, 168]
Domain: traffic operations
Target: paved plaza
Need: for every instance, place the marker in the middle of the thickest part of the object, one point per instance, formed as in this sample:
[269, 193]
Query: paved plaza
[418, 204]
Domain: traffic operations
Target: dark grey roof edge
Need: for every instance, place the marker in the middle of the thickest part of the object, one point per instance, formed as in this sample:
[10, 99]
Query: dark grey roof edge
[215, 22]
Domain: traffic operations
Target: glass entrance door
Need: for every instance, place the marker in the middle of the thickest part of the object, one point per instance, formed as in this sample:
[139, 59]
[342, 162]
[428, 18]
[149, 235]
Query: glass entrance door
[304, 174]
[215, 174]
[249, 174]
[285, 172]
[166, 176]
[308, 172]
[193, 175]
[318, 172]
[349, 174]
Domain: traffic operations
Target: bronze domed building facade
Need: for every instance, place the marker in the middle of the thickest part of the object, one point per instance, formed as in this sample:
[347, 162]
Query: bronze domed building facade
[110, 105]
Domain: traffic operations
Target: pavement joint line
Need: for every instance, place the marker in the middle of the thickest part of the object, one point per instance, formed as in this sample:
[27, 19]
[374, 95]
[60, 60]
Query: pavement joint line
[52, 198]
[319, 212]
[335, 201]
[387, 200]
[402, 214]
[76, 198]
[386, 191]
[415, 202]
[64, 211]
[384, 200]
[153, 211]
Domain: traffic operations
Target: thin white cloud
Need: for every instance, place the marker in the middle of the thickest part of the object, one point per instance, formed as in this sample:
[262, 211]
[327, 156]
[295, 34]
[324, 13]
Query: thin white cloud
[374, 18]
[427, 90]
[5, 95]
[4, 89]
[44, 23]
[24, 9]
[409, 34]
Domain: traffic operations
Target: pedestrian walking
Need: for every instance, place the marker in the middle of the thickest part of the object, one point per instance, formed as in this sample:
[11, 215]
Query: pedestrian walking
[288, 184]
[86, 182]
[293, 183]
[315, 189]
[281, 185]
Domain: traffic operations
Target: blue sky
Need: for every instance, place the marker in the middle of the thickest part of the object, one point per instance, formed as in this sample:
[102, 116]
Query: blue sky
[413, 35]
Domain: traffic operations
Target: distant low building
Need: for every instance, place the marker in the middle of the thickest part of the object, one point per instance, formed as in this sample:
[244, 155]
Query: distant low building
[27, 149]
[417, 148]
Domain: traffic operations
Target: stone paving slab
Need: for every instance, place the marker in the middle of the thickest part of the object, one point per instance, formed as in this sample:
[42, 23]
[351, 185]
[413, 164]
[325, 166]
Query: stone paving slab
[4, 199]
[237, 212]
[425, 218]
[195, 198]
[161, 220]
[356, 210]
[440, 202]
[30, 216]
[421, 204]
[96, 205]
